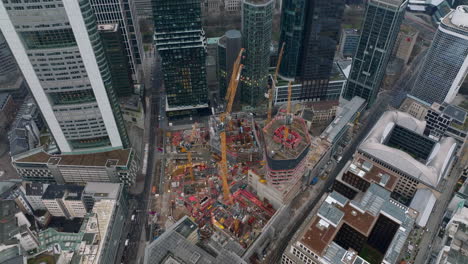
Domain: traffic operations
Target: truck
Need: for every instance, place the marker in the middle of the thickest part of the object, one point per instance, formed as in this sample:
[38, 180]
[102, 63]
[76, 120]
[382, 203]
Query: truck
[153, 190]
[314, 180]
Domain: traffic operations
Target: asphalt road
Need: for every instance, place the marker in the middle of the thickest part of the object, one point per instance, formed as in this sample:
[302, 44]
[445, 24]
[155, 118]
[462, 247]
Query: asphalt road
[137, 237]
[435, 220]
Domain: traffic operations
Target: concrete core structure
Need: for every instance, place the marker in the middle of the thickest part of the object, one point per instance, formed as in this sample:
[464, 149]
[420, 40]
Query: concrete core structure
[285, 157]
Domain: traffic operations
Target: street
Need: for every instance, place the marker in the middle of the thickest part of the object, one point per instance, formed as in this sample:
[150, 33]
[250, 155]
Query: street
[138, 228]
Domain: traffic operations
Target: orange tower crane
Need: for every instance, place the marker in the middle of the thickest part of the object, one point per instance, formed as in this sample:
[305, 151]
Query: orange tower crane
[231, 94]
[288, 112]
[189, 153]
[273, 85]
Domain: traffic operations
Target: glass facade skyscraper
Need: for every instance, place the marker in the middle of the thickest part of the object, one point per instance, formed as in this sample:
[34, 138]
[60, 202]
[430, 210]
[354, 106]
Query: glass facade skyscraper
[321, 37]
[293, 16]
[310, 32]
[59, 51]
[181, 44]
[229, 46]
[257, 19]
[378, 35]
[114, 47]
[446, 63]
[123, 12]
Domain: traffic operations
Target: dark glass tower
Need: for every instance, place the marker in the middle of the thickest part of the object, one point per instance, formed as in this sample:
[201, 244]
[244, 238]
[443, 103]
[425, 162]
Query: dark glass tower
[378, 35]
[292, 33]
[180, 42]
[114, 47]
[257, 18]
[321, 37]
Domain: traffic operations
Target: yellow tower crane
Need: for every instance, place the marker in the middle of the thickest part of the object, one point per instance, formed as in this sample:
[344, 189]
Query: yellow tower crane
[230, 95]
[273, 85]
[189, 152]
[288, 112]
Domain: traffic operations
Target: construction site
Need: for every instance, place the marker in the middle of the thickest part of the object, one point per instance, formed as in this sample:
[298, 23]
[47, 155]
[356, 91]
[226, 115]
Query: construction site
[234, 174]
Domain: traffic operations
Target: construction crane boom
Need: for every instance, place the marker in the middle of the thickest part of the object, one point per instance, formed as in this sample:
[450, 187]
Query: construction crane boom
[189, 152]
[273, 85]
[230, 95]
[235, 69]
[288, 111]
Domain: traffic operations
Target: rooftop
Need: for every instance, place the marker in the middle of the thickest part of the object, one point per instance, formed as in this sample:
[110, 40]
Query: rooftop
[69, 192]
[119, 157]
[381, 143]
[108, 27]
[279, 148]
[373, 174]
[102, 190]
[458, 18]
[174, 247]
[35, 188]
[361, 215]
[343, 119]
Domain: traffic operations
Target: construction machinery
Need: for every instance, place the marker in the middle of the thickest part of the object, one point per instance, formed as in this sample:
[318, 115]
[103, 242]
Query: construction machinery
[189, 153]
[273, 85]
[288, 112]
[230, 95]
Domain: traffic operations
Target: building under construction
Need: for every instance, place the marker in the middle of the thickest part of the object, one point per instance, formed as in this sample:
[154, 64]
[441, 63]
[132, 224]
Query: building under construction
[286, 149]
[241, 138]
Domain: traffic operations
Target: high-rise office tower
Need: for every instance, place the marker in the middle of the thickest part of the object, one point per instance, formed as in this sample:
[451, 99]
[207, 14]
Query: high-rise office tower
[379, 32]
[293, 17]
[114, 47]
[123, 12]
[180, 41]
[257, 18]
[446, 63]
[321, 35]
[229, 46]
[59, 51]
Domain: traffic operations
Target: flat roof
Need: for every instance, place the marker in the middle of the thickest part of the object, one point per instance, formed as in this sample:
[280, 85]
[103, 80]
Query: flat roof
[343, 119]
[361, 214]
[120, 156]
[55, 191]
[173, 244]
[102, 190]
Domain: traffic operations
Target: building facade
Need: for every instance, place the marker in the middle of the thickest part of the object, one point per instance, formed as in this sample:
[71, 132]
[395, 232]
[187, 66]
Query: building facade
[322, 28]
[446, 63]
[117, 166]
[114, 48]
[61, 56]
[378, 35]
[349, 41]
[257, 19]
[180, 41]
[293, 17]
[123, 12]
[229, 46]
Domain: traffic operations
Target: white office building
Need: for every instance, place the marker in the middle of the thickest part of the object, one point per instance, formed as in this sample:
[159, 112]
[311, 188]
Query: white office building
[59, 51]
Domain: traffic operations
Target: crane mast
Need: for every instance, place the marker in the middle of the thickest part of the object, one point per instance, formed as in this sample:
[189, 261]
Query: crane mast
[189, 152]
[288, 112]
[273, 85]
[230, 95]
